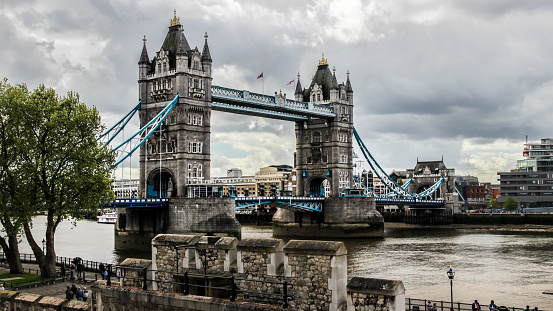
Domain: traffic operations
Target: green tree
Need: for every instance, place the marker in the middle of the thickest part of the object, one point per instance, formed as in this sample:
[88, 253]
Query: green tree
[400, 182]
[510, 204]
[11, 217]
[62, 169]
[494, 204]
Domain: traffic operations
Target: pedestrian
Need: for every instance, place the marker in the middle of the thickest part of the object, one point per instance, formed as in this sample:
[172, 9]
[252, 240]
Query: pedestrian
[434, 307]
[79, 294]
[493, 306]
[2, 286]
[74, 289]
[105, 275]
[527, 308]
[68, 293]
[475, 306]
[428, 305]
[101, 267]
[62, 270]
[85, 294]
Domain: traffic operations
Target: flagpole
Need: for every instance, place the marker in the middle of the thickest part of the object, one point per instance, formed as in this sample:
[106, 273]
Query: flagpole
[263, 81]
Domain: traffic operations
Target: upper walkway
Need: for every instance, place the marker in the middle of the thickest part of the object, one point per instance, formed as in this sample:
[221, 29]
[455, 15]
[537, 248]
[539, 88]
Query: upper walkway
[275, 107]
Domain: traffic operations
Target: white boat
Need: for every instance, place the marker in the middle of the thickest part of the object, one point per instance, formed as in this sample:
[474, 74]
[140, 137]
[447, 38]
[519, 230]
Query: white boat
[107, 218]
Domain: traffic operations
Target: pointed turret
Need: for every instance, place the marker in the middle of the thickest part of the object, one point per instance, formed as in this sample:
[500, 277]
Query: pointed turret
[348, 85]
[144, 56]
[183, 46]
[206, 56]
[334, 89]
[299, 92]
[349, 90]
[334, 84]
[182, 52]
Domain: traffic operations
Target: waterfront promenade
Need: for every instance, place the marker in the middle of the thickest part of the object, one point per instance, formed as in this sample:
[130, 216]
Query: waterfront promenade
[54, 288]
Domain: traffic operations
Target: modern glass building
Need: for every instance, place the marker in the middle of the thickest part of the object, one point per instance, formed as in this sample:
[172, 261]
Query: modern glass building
[531, 183]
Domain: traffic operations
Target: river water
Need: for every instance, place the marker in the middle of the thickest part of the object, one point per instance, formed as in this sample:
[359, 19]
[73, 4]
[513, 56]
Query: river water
[512, 266]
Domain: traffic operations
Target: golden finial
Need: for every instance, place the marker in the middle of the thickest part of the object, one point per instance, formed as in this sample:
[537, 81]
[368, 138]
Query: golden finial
[175, 21]
[323, 60]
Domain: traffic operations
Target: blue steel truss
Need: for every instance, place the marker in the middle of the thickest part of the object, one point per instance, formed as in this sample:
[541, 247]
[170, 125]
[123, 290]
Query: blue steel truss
[304, 204]
[396, 190]
[245, 102]
[137, 139]
[119, 126]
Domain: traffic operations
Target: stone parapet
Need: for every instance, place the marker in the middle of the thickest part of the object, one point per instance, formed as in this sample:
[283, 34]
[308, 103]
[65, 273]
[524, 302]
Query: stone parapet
[315, 271]
[10, 300]
[318, 273]
[113, 297]
[375, 294]
[132, 272]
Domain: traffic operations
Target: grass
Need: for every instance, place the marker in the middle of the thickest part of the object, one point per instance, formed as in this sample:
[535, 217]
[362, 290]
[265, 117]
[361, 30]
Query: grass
[10, 279]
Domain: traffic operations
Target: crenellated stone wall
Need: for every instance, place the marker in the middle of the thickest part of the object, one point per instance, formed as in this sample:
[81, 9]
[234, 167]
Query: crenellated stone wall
[316, 272]
[132, 272]
[368, 294]
[10, 300]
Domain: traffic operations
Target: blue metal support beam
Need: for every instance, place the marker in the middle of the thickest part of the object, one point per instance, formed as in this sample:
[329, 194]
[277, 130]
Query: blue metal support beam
[245, 102]
[304, 204]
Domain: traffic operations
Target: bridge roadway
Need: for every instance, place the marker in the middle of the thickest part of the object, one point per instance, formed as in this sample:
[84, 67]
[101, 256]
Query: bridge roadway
[303, 204]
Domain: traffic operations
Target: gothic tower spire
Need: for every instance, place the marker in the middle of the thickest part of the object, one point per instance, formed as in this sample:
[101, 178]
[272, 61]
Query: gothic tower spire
[206, 56]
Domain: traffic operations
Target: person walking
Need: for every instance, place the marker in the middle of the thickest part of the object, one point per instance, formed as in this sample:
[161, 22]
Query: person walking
[85, 294]
[492, 306]
[102, 268]
[62, 270]
[475, 306]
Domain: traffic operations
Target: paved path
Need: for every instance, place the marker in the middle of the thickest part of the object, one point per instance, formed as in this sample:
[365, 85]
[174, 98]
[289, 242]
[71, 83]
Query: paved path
[57, 289]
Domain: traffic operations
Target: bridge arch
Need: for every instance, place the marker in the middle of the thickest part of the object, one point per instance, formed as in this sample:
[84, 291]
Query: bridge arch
[423, 187]
[161, 183]
[319, 186]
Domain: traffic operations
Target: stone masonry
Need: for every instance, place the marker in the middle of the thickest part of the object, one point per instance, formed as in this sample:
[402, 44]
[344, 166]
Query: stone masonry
[316, 272]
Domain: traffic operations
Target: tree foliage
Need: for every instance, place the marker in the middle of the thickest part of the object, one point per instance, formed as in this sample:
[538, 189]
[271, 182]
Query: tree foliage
[510, 204]
[62, 169]
[494, 204]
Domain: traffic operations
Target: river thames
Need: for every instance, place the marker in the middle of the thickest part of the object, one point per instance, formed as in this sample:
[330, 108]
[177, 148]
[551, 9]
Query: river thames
[512, 266]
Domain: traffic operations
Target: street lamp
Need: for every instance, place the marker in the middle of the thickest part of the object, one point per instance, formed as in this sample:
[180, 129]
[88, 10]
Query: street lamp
[451, 275]
[43, 244]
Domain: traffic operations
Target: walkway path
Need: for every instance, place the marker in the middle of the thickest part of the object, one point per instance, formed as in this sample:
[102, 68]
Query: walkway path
[56, 289]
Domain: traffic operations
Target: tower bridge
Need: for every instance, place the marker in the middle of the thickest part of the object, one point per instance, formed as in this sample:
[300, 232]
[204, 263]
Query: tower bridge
[176, 100]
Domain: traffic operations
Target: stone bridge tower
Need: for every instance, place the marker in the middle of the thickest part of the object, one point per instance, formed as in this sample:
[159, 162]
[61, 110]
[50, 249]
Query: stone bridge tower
[178, 153]
[324, 147]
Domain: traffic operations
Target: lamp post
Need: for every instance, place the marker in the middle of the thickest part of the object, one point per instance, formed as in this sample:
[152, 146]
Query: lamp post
[451, 274]
[43, 244]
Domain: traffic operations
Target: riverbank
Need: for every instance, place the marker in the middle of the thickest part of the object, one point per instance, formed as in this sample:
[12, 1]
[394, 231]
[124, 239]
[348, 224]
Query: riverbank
[505, 227]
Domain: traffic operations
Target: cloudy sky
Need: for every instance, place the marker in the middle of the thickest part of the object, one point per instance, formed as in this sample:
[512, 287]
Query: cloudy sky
[466, 80]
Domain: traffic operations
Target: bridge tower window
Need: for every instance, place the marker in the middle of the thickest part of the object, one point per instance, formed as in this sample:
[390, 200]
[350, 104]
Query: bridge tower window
[317, 137]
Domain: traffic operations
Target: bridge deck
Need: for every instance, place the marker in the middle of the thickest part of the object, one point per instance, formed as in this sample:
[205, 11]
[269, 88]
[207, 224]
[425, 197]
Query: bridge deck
[245, 102]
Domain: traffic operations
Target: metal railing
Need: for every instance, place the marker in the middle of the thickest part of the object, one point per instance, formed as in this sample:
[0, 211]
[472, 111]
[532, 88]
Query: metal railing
[280, 295]
[413, 304]
[87, 265]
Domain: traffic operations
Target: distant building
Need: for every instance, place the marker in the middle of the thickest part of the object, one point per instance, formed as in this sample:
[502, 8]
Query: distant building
[268, 181]
[475, 194]
[531, 183]
[273, 180]
[126, 188]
